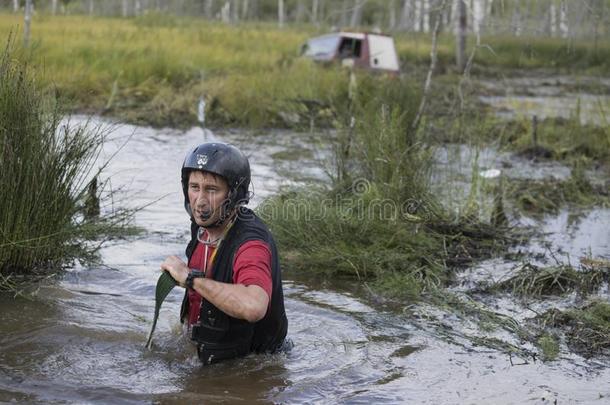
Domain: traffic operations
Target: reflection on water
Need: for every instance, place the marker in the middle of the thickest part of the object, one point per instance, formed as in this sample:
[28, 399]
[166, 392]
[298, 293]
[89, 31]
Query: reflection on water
[588, 109]
[82, 340]
[551, 97]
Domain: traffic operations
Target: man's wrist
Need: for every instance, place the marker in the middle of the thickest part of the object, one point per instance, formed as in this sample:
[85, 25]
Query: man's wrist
[190, 279]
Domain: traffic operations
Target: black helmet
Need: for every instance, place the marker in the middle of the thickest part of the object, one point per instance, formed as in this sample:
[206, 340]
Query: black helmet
[224, 160]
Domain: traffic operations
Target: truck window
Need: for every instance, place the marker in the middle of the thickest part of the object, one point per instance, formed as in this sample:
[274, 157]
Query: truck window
[350, 48]
[321, 48]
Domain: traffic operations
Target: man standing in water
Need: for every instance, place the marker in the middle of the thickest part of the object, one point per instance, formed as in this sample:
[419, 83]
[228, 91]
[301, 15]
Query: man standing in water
[234, 302]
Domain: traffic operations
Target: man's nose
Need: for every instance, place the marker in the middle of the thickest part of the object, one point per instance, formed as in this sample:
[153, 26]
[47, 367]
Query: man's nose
[201, 199]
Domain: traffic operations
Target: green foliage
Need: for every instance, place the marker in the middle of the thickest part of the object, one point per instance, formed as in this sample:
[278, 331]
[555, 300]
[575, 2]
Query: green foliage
[549, 347]
[534, 281]
[587, 328]
[154, 68]
[563, 139]
[382, 147]
[510, 52]
[352, 235]
[550, 53]
[378, 219]
[537, 197]
[45, 173]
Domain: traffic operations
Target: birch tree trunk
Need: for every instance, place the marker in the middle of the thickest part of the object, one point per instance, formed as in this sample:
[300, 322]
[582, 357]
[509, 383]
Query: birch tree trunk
[301, 11]
[553, 19]
[488, 5]
[124, 8]
[27, 20]
[426, 15]
[225, 13]
[417, 16]
[516, 21]
[598, 16]
[245, 10]
[15, 5]
[404, 15]
[137, 7]
[280, 13]
[527, 17]
[343, 15]
[314, 12]
[460, 41]
[90, 8]
[207, 8]
[235, 11]
[433, 60]
[357, 13]
[478, 14]
[563, 19]
[54, 7]
[391, 15]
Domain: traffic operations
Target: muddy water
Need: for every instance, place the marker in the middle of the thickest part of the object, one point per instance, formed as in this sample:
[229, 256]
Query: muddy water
[81, 340]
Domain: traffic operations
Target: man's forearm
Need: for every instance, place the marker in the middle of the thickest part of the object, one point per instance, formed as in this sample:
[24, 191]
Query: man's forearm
[237, 300]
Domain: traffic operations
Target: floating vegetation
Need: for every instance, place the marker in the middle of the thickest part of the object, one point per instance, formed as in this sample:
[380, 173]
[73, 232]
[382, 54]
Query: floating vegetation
[548, 196]
[587, 329]
[549, 347]
[534, 281]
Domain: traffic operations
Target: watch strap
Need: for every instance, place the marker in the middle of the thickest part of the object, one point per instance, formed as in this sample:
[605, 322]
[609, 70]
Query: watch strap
[192, 276]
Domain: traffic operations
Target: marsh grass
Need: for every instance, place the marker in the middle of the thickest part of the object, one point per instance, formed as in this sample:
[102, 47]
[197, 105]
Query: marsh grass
[555, 54]
[500, 52]
[158, 69]
[377, 220]
[46, 168]
[562, 139]
[586, 328]
[537, 197]
[152, 69]
[549, 347]
[531, 281]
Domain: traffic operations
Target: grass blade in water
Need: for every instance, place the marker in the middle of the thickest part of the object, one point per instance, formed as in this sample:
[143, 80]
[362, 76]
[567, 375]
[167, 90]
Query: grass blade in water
[164, 286]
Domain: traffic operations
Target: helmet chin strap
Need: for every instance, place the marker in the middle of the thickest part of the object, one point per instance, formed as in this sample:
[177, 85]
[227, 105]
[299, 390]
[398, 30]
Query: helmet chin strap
[216, 224]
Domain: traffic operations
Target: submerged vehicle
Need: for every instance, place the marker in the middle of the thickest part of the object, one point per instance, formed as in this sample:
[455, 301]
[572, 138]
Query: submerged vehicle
[364, 50]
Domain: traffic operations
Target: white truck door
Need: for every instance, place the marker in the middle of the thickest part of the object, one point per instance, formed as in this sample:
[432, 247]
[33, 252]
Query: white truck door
[382, 54]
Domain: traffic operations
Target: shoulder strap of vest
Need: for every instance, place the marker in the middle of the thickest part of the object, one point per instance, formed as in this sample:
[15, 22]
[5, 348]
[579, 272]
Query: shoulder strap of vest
[190, 248]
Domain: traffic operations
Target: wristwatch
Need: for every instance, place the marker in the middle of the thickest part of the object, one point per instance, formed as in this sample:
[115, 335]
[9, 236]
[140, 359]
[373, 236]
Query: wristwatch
[192, 276]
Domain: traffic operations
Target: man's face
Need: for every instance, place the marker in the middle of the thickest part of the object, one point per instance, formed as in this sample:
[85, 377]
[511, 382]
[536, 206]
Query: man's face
[206, 193]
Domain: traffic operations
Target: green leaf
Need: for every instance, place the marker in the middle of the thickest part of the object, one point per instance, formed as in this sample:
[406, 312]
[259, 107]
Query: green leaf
[164, 285]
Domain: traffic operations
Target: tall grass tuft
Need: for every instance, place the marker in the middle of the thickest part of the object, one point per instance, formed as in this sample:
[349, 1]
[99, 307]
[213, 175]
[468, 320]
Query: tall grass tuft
[46, 169]
[377, 219]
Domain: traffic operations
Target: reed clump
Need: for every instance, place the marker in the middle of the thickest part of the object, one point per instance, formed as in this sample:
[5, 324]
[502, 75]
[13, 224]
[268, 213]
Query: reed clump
[49, 205]
[587, 328]
[377, 219]
[532, 281]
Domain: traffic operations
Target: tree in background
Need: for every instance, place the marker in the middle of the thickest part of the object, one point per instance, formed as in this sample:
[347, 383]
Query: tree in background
[460, 40]
[27, 22]
[556, 18]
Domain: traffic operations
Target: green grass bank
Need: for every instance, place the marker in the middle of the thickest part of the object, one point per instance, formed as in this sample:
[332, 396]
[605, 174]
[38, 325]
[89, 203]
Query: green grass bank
[153, 69]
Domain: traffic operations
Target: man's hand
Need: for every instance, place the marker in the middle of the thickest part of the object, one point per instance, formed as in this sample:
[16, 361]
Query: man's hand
[176, 268]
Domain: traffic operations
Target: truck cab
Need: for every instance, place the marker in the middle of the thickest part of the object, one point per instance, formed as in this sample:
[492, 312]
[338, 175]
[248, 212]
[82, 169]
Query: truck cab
[374, 52]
